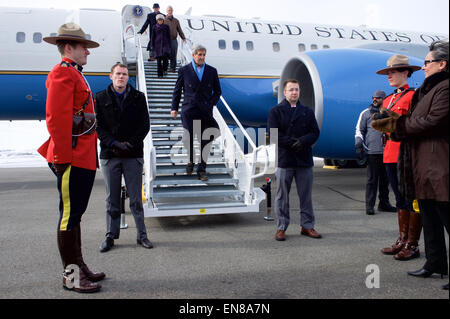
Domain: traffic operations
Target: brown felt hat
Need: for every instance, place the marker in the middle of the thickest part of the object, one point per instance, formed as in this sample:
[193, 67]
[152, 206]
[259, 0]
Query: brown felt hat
[73, 32]
[396, 62]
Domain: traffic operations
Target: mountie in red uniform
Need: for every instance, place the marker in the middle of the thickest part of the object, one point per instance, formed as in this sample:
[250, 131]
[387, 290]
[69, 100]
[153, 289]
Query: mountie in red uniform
[71, 150]
[398, 102]
[67, 91]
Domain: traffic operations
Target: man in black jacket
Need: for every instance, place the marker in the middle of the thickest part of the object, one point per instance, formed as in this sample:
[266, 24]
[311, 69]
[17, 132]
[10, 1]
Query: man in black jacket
[201, 87]
[123, 123]
[150, 23]
[297, 131]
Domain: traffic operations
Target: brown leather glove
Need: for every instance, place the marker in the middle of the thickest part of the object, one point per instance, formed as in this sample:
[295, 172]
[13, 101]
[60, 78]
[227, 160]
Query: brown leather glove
[386, 125]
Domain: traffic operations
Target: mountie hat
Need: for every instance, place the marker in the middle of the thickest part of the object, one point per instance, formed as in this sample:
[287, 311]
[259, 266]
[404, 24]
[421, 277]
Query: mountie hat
[380, 94]
[155, 5]
[73, 32]
[396, 62]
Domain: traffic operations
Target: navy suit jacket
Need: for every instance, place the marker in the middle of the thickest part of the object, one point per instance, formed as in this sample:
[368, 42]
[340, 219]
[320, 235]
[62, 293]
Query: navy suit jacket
[201, 96]
[292, 125]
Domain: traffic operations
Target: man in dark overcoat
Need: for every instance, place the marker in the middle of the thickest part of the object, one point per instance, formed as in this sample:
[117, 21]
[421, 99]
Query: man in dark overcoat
[201, 87]
[150, 23]
[297, 130]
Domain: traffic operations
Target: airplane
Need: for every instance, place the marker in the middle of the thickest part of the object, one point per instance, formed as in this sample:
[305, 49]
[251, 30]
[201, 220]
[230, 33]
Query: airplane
[335, 64]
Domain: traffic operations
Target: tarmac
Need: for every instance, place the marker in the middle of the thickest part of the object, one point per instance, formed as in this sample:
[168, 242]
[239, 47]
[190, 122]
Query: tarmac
[232, 256]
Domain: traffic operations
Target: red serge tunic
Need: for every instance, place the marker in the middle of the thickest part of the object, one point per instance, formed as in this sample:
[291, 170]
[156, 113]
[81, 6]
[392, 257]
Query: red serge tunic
[67, 91]
[398, 103]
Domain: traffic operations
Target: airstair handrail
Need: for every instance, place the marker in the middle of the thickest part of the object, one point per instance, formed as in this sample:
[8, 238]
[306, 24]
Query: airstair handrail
[141, 84]
[250, 141]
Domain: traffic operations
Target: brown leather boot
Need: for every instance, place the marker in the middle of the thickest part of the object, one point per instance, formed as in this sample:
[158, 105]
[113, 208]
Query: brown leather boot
[411, 249]
[67, 244]
[94, 277]
[403, 224]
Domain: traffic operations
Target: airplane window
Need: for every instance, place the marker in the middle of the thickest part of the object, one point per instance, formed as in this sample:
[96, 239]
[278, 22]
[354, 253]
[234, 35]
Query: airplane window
[313, 46]
[37, 37]
[20, 37]
[222, 44]
[88, 36]
[326, 46]
[301, 47]
[236, 45]
[276, 47]
[250, 46]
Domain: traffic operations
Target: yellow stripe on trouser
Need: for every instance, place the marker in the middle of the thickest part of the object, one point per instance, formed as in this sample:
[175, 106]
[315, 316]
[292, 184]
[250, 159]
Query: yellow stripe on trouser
[65, 193]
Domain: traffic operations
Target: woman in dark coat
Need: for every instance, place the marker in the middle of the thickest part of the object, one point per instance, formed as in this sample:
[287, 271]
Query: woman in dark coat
[424, 156]
[160, 44]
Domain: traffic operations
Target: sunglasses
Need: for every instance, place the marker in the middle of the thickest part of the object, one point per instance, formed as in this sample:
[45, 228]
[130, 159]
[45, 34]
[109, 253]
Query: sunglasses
[426, 62]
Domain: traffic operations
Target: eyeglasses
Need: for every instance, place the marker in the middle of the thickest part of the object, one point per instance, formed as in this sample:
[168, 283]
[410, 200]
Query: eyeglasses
[425, 63]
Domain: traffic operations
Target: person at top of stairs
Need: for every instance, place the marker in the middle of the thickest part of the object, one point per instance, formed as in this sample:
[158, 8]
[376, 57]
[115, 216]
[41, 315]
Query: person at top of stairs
[160, 44]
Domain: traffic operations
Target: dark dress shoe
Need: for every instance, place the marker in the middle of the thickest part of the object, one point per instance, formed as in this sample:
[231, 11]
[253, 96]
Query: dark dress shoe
[310, 233]
[445, 287]
[422, 272]
[145, 243]
[370, 211]
[189, 168]
[107, 245]
[280, 236]
[387, 208]
[202, 176]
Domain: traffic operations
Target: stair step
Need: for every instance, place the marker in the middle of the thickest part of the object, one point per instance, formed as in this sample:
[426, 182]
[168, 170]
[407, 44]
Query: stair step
[160, 95]
[159, 88]
[193, 180]
[160, 110]
[152, 105]
[202, 206]
[183, 160]
[181, 169]
[167, 136]
[167, 128]
[196, 191]
[165, 122]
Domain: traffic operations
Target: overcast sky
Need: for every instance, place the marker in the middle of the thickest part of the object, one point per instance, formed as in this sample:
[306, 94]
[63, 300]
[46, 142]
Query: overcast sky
[414, 15]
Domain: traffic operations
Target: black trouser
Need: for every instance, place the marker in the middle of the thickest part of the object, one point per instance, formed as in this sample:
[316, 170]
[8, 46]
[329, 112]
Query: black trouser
[173, 54]
[163, 64]
[392, 174]
[74, 187]
[195, 125]
[376, 178]
[435, 216]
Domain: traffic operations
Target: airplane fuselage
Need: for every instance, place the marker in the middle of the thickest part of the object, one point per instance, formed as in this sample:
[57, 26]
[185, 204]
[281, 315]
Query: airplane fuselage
[249, 54]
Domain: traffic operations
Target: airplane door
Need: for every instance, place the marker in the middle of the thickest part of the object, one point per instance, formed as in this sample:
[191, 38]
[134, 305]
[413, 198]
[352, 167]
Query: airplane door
[135, 15]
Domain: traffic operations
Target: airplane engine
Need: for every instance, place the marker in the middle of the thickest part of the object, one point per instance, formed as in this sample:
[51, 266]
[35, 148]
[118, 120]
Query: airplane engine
[338, 85]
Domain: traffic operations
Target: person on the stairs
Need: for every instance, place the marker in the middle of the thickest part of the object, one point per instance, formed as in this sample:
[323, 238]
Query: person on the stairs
[161, 44]
[201, 87]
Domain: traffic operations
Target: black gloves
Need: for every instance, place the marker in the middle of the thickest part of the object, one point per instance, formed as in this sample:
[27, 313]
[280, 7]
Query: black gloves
[380, 116]
[297, 146]
[360, 153]
[121, 148]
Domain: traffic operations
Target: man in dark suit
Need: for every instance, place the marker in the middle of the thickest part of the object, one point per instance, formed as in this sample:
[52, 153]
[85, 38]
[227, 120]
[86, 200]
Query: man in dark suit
[151, 22]
[297, 132]
[201, 87]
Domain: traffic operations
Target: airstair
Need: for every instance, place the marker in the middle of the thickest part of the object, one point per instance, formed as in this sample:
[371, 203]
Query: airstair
[168, 189]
